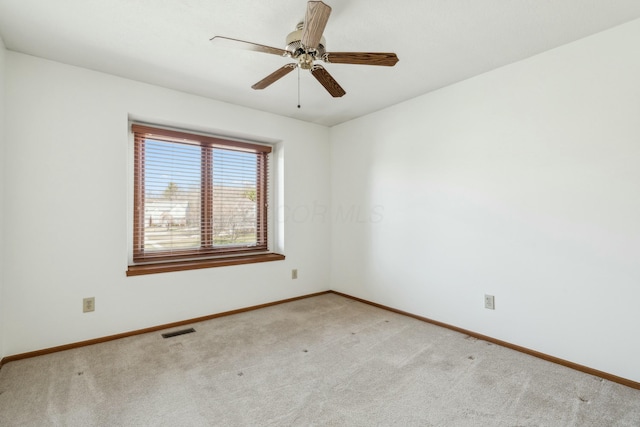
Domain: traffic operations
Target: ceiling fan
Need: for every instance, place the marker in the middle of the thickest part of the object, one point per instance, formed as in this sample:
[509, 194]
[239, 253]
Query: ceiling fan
[307, 45]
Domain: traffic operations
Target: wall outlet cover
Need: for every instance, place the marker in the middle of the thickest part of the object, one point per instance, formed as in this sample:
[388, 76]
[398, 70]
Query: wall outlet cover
[489, 302]
[88, 304]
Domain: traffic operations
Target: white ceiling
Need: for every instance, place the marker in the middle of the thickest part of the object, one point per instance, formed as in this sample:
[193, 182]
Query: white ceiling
[166, 43]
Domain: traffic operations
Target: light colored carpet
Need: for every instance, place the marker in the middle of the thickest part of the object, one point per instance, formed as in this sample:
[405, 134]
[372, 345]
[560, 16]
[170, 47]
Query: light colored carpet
[324, 361]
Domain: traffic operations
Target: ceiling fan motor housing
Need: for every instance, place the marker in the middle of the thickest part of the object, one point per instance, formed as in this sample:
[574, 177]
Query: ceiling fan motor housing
[295, 46]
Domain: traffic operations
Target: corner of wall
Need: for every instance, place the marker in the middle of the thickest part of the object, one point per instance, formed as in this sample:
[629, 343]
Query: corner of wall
[2, 83]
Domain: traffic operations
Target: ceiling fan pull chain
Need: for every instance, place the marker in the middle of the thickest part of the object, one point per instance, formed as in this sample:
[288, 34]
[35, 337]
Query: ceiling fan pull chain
[298, 87]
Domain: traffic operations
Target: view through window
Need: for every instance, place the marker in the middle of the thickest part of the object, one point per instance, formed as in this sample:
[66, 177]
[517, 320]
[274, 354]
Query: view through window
[197, 196]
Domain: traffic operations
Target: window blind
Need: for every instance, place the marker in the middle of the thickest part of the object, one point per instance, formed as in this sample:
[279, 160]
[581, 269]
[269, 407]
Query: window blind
[197, 196]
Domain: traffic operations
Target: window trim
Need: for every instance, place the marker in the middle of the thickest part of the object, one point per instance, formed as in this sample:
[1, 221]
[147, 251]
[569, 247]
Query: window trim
[166, 267]
[203, 257]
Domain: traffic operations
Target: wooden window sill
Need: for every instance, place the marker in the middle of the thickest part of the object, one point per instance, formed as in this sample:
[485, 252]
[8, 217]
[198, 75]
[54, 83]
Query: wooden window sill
[166, 267]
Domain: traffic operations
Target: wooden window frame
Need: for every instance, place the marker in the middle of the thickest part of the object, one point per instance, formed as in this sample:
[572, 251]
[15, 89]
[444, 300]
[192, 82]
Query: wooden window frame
[207, 255]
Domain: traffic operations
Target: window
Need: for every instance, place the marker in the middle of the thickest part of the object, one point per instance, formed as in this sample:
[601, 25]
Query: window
[199, 201]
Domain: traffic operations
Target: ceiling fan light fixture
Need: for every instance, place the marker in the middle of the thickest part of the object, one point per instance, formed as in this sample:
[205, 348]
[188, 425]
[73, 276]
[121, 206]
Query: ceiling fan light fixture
[305, 61]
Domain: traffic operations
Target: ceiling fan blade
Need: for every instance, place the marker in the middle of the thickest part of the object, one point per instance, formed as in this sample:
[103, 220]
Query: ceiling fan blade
[241, 44]
[386, 59]
[327, 81]
[314, 22]
[275, 76]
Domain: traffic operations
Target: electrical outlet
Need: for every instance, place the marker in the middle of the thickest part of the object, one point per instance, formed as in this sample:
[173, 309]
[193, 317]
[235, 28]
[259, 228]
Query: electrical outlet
[88, 304]
[294, 273]
[489, 302]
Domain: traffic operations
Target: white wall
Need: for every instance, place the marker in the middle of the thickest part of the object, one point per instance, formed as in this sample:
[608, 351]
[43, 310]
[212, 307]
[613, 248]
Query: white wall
[521, 183]
[66, 198]
[2, 310]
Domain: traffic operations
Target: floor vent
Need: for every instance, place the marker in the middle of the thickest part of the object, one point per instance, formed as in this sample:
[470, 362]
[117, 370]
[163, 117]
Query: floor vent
[176, 333]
